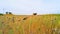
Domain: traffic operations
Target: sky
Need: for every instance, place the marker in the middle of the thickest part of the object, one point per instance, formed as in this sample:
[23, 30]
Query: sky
[28, 7]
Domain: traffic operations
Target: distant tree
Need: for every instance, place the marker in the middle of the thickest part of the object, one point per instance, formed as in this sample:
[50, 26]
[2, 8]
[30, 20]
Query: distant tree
[34, 13]
[6, 12]
[10, 13]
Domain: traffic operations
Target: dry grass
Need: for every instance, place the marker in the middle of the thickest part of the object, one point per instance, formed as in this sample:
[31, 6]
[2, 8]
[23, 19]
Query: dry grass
[30, 24]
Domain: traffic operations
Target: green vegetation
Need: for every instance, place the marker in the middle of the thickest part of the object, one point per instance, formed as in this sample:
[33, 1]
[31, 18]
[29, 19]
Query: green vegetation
[1, 14]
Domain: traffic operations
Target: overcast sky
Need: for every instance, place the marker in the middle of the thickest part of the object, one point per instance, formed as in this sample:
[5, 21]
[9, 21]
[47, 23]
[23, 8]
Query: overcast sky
[30, 6]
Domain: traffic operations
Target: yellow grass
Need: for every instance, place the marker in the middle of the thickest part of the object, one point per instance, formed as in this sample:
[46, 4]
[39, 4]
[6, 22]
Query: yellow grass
[33, 24]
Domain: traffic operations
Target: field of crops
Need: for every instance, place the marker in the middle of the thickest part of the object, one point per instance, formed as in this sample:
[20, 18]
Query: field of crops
[30, 24]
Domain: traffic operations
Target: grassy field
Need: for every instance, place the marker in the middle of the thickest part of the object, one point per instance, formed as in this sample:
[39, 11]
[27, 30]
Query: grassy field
[30, 24]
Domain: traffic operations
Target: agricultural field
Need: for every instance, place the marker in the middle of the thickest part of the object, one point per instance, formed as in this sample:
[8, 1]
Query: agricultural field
[30, 24]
